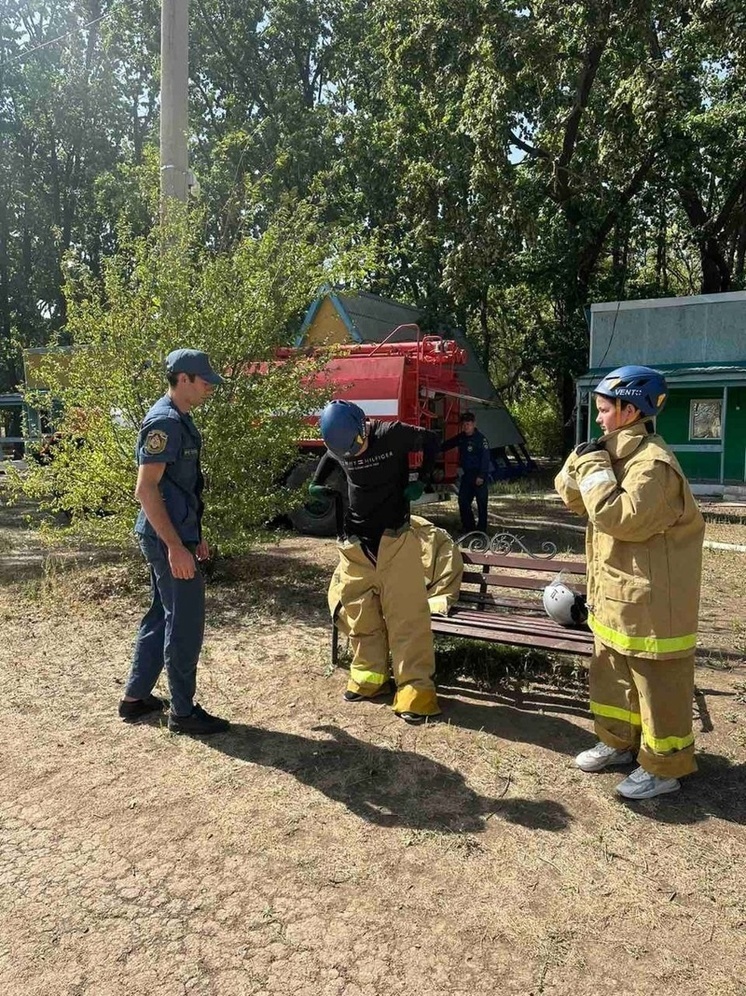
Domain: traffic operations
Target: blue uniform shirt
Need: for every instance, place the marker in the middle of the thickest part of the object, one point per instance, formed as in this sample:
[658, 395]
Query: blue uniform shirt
[473, 453]
[171, 437]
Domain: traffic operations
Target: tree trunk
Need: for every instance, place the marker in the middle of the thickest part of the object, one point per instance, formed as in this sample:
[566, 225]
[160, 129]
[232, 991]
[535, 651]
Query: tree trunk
[740, 254]
[715, 270]
[661, 256]
[485, 327]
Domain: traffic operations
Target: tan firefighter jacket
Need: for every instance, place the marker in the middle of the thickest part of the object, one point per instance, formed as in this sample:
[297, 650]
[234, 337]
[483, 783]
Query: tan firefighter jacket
[442, 564]
[643, 543]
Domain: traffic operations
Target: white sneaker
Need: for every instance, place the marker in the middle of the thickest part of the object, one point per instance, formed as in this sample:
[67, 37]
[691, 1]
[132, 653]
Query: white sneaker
[602, 756]
[642, 785]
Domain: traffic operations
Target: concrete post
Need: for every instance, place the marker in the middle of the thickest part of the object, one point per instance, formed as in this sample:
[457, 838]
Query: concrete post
[174, 100]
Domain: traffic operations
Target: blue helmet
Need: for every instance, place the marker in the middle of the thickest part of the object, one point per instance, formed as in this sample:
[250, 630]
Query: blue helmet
[642, 387]
[343, 428]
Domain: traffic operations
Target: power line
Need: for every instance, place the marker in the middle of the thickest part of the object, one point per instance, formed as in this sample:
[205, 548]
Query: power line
[53, 41]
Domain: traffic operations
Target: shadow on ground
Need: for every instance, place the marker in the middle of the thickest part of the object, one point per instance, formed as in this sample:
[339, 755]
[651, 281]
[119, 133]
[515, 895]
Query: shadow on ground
[392, 788]
[527, 725]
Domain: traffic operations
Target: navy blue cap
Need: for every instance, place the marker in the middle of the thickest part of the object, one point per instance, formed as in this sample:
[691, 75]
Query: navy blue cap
[192, 361]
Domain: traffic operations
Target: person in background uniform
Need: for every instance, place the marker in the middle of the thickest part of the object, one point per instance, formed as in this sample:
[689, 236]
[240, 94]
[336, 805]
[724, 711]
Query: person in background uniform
[169, 529]
[380, 581]
[644, 556]
[474, 461]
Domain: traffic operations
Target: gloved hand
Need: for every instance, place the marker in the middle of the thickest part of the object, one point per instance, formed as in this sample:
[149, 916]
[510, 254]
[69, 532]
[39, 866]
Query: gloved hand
[414, 490]
[592, 446]
[320, 491]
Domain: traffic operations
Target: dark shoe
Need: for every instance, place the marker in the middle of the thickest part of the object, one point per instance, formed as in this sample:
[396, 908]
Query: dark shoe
[199, 723]
[359, 697]
[415, 718]
[132, 711]
[353, 696]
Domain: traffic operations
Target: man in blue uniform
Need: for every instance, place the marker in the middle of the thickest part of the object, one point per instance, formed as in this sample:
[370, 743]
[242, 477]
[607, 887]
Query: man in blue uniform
[474, 461]
[169, 528]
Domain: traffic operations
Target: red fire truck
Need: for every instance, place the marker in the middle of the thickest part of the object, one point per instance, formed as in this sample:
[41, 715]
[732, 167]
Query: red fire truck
[415, 382]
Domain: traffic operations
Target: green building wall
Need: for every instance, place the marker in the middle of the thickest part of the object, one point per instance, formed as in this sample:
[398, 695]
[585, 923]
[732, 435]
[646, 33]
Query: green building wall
[735, 435]
[704, 461]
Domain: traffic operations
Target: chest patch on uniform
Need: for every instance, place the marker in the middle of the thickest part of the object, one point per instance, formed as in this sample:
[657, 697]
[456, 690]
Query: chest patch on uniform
[156, 442]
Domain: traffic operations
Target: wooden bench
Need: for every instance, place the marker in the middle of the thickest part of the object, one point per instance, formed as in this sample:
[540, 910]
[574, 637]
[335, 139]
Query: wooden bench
[501, 602]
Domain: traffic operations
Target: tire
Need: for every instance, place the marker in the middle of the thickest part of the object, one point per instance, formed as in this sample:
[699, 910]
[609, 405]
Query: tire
[316, 517]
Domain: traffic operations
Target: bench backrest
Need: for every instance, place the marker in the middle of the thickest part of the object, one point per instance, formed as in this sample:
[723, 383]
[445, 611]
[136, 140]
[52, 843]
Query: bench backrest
[514, 581]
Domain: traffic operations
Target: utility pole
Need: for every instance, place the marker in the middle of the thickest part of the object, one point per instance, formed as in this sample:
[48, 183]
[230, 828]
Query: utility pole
[174, 100]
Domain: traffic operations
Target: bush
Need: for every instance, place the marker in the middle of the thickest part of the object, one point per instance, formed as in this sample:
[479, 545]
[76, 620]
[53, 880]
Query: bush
[541, 423]
[157, 294]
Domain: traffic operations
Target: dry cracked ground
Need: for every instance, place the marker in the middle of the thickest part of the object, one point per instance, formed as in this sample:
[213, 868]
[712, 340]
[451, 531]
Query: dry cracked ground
[327, 849]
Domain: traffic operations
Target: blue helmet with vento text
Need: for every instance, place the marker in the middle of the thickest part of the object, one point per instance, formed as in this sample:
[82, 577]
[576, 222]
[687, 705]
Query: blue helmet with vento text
[642, 387]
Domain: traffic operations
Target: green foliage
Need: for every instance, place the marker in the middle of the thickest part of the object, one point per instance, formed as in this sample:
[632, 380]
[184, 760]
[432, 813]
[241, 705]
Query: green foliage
[540, 420]
[511, 163]
[167, 291]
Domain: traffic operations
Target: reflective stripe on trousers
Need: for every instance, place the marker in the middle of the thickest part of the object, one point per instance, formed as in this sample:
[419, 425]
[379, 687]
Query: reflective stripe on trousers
[645, 705]
[385, 606]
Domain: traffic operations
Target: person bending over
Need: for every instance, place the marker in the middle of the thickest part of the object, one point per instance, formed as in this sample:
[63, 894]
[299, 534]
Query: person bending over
[380, 578]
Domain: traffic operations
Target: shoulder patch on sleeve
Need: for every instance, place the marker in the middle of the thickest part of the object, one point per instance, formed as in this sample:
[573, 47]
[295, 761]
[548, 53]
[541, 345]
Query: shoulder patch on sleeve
[155, 442]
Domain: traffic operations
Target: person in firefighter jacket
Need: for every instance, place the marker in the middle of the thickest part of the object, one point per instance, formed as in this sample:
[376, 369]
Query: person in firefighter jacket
[380, 582]
[644, 554]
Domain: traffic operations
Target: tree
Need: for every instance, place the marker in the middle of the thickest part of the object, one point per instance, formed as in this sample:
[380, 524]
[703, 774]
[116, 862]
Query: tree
[156, 295]
[529, 149]
[509, 162]
[704, 57]
[262, 102]
[65, 100]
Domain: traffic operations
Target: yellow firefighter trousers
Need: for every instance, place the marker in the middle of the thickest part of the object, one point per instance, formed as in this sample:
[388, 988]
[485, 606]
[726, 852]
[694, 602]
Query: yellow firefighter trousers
[385, 607]
[645, 705]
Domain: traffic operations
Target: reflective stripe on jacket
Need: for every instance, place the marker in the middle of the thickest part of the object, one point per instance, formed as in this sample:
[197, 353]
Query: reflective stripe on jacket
[643, 543]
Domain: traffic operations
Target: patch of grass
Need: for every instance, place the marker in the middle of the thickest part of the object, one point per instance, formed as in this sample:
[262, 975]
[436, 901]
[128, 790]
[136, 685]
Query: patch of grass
[490, 666]
[539, 480]
[270, 585]
[62, 583]
[714, 660]
[259, 567]
[729, 515]
[467, 845]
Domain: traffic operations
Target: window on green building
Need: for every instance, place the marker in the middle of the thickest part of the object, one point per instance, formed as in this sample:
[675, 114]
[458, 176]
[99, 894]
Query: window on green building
[705, 418]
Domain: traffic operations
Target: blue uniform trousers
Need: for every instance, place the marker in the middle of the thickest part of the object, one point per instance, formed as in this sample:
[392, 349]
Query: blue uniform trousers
[467, 492]
[170, 633]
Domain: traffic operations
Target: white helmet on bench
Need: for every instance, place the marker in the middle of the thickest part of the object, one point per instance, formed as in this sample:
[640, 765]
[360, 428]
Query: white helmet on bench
[564, 605]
